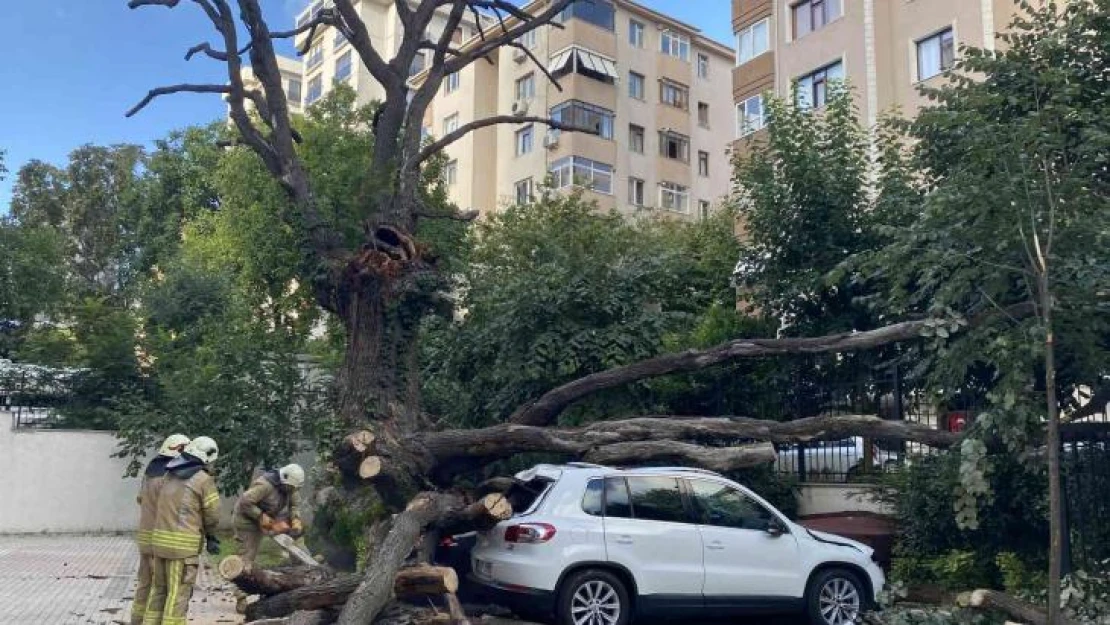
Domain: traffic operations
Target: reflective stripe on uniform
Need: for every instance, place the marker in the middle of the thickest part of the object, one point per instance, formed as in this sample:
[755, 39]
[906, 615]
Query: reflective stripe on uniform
[173, 587]
[175, 540]
[143, 537]
[212, 500]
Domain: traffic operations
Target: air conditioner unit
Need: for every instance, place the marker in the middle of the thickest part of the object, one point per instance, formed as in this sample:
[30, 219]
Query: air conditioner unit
[519, 55]
[520, 107]
[551, 140]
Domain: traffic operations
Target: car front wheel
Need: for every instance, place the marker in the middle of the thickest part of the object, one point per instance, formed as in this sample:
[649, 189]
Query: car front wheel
[836, 597]
[594, 597]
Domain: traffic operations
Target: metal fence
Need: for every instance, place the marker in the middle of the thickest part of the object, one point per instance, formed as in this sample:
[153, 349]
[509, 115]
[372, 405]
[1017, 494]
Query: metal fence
[1085, 462]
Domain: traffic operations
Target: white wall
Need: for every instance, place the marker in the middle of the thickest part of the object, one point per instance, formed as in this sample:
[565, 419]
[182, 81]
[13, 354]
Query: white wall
[63, 481]
[814, 499]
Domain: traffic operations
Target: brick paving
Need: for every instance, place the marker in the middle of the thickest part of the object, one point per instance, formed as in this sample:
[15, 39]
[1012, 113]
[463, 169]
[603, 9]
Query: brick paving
[86, 580]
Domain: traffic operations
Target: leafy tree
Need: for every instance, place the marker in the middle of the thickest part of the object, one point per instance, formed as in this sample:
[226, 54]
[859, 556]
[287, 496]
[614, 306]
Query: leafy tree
[31, 281]
[1015, 152]
[554, 290]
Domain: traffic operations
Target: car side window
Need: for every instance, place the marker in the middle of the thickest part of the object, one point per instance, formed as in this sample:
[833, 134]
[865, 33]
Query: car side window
[657, 499]
[616, 499]
[722, 506]
[591, 499]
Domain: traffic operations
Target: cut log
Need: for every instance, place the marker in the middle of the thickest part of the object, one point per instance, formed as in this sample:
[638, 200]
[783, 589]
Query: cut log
[316, 617]
[351, 451]
[261, 581]
[455, 610]
[722, 459]
[331, 593]
[423, 581]
[480, 515]
[370, 467]
[1007, 605]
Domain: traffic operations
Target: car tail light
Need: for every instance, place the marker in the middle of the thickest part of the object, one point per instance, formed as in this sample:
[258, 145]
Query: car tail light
[448, 541]
[529, 533]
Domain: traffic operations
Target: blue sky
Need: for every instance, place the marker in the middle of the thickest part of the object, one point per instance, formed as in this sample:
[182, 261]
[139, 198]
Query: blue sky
[75, 66]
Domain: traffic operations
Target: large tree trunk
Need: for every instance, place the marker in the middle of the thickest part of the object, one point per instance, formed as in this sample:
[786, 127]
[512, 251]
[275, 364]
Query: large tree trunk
[259, 581]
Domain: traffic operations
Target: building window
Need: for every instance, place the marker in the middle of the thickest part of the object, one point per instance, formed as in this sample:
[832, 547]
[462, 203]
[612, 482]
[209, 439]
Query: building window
[600, 13]
[315, 89]
[703, 114]
[674, 94]
[935, 54]
[674, 145]
[575, 170]
[703, 65]
[749, 116]
[703, 209]
[522, 191]
[674, 44]
[524, 140]
[584, 62]
[343, 67]
[528, 40]
[636, 191]
[315, 56]
[674, 197]
[703, 164]
[526, 87]
[635, 33]
[340, 39]
[811, 15]
[293, 91]
[450, 124]
[752, 41]
[451, 172]
[635, 85]
[636, 138]
[813, 88]
[418, 63]
[450, 83]
[585, 115]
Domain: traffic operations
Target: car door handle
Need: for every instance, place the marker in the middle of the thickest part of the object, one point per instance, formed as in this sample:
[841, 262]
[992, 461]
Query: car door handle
[623, 540]
[716, 545]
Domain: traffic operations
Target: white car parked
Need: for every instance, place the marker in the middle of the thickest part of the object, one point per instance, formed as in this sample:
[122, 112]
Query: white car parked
[598, 545]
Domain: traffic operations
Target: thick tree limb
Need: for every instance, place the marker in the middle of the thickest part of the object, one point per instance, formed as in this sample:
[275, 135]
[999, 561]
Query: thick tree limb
[547, 407]
[720, 459]
[255, 580]
[1011, 607]
[465, 216]
[184, 88]
[424, 581]
[208, 50]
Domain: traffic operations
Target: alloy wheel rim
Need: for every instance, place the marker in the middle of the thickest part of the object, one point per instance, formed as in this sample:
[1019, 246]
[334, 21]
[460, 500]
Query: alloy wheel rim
[839, 602]
[595, 602]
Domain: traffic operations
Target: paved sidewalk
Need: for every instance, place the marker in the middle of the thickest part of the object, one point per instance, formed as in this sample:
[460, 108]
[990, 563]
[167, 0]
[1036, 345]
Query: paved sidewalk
[86, 580]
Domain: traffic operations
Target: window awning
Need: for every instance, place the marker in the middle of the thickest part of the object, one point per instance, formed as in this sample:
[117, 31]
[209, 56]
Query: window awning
[589, 60]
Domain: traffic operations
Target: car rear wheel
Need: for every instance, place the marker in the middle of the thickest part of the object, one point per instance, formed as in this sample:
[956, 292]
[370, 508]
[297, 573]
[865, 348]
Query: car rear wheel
[836, 597]
[593, 597]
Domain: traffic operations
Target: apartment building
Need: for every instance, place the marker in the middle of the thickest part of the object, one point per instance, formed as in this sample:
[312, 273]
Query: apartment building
[883, 48]
[648, 84]
[330, 60]
[291, 79]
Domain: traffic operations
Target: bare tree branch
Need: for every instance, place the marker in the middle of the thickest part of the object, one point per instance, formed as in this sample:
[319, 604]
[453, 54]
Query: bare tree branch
[207, 49]
[542, 66]
[437, 146]
[185, 88]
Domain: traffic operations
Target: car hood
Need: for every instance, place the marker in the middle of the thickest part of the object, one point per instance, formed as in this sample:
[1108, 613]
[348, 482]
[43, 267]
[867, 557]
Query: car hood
[834, 539]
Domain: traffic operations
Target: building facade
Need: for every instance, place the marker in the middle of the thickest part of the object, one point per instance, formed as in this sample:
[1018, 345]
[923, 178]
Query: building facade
[291, 80]
[643, 81]
[884, 49]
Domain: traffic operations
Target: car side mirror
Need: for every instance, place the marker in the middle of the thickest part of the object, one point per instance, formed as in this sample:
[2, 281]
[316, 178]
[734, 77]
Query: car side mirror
[775, 528]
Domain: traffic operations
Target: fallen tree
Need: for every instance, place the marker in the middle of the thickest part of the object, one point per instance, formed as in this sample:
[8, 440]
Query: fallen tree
[379, 281]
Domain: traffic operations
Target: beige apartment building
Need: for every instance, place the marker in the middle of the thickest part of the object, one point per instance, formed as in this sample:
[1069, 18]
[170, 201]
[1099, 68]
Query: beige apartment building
[291, 80]
[648, 84]
[883, 48]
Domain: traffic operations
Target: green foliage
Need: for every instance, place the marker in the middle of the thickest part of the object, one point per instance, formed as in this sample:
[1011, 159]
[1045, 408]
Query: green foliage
[31, 280]
[555, 290]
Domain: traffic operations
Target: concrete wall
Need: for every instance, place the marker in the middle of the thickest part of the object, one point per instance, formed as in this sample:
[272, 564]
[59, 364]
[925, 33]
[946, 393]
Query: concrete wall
[821, 499]
[62, 481]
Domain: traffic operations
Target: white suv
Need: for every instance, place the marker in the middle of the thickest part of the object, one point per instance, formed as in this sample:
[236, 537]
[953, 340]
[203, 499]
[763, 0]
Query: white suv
[597, 545]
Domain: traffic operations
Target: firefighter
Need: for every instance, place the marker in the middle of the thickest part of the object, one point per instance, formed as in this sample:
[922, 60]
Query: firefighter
[267, 508]
[152, 480]
[185, 520]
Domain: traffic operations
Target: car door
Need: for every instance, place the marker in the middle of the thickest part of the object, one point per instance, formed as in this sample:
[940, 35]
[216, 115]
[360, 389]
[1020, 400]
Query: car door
[649, 532]
[751, 559]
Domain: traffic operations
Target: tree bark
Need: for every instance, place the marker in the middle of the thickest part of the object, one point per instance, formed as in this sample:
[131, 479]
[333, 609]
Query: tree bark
[1055, 497]
[331, 593]
[353, 449]
[424, 581]
[315, 617]
[1011, 607]
[480, 515]
[720, 459]
[259, 581]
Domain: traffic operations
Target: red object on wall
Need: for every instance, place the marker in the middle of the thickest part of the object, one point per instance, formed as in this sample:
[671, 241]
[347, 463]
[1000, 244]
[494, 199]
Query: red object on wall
[957, 421]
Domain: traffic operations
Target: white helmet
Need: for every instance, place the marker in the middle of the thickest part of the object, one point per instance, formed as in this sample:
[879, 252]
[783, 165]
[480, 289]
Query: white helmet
[171, 447]
[291, 475]
[204, 448]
